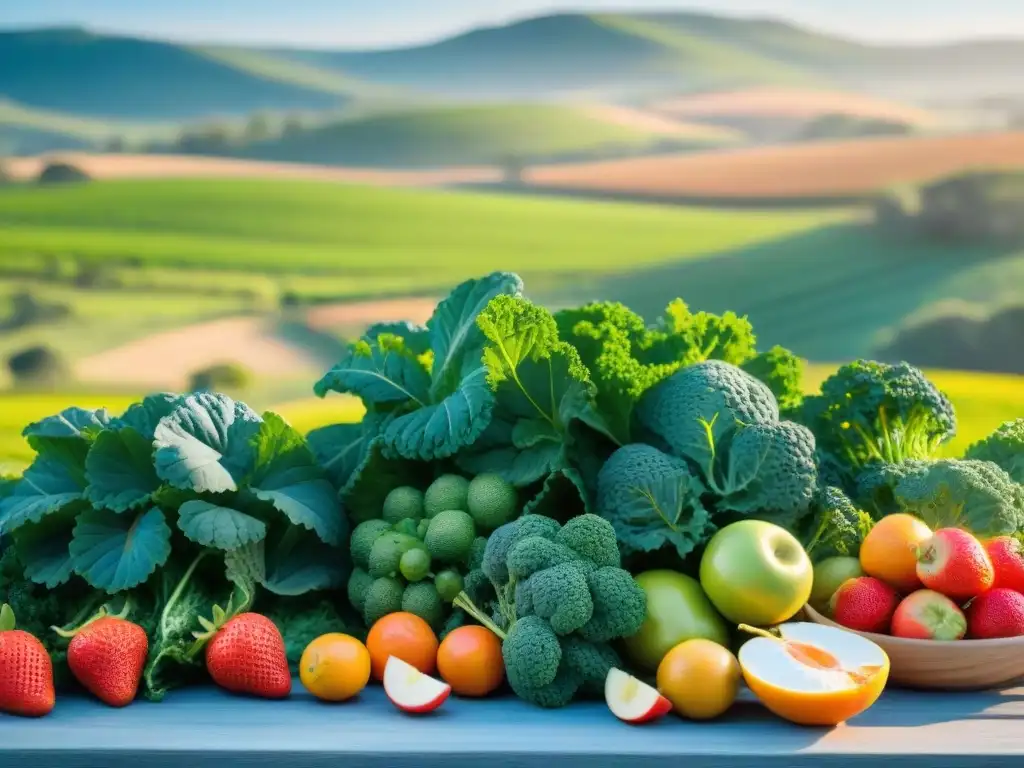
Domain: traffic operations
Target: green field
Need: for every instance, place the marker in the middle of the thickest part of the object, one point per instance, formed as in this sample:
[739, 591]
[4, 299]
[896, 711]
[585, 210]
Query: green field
[983, 401]
[467, 135]
[823, 282]
[281, 226]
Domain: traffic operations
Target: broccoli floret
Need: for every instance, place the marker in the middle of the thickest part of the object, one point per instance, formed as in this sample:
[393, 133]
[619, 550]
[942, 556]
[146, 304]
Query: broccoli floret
[620, 605]
[835, 527]
[966, 493]
[590, 662]
[592, 538]
[363, 537]
[383, 597]
[423, 600]
[695, 408]
[504, 538]
[450, 536]
[876, 412]
[475, 558]
[557, 693]
[534, 554]
[560, 595]
[478, 587]
[358, 585]
[552, 595]
[532, 653]
[1004, 447]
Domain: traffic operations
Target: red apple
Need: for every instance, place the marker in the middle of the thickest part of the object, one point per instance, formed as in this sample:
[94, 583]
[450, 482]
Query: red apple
[410, 690]
[632, 700]
[955, 564]
[927, 615]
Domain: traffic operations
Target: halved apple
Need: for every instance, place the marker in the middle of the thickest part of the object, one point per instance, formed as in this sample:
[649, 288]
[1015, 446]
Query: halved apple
[410, 690]
[633, 700]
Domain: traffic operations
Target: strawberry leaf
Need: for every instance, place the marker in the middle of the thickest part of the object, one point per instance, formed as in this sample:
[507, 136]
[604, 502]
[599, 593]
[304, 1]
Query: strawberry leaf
[115, 552]
[217, 526]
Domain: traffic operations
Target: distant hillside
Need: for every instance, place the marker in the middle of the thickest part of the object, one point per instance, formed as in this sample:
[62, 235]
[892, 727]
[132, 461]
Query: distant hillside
[627, 54]
[461, 135]
[839, 169]
[621, 57]
[80, 73]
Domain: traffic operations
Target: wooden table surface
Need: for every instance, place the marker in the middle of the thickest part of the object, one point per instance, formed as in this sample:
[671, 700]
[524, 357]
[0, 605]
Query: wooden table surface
[206, 728]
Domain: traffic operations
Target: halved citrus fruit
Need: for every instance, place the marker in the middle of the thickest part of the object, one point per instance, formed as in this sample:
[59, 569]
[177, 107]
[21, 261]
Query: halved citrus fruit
[813, 674]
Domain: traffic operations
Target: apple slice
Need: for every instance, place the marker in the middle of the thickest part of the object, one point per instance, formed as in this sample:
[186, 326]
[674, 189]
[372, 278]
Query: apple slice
[410, 690]
[633, 700]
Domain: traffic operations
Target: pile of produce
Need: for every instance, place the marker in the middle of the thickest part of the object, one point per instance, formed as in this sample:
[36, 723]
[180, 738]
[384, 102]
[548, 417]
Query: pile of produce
[569, 503]
[178, 515]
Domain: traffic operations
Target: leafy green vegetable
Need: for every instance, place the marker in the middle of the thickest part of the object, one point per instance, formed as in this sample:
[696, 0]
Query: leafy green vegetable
[180, 505]
[435, 411]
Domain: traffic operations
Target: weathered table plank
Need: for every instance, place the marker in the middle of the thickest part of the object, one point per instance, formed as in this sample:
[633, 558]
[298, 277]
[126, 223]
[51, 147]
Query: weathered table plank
[205, 728]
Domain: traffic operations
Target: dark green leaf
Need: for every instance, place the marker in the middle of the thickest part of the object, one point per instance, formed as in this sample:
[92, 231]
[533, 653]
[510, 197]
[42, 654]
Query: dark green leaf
[44, 547]
[204, 445]
[115, 552]
[287, 476]
[440, 431]
[144, 416]
[217, 526]
[298, 562]
[380, 372]
[55, 479]
[119, 469]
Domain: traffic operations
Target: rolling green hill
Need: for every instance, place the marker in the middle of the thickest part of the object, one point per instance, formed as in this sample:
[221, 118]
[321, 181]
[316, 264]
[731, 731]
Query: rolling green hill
[631, 53]
[614, 55]
[822, 282]
[76, 72]
[467, 135]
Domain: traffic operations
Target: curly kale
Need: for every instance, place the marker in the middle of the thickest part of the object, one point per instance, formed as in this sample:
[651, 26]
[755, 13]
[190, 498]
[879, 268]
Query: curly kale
[783, 373]
[626, 357]
[1004, 447]
[876, 412]
[560, 598]
[968, 493]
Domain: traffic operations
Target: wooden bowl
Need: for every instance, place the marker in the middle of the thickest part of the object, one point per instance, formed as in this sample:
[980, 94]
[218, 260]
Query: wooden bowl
[957, 665]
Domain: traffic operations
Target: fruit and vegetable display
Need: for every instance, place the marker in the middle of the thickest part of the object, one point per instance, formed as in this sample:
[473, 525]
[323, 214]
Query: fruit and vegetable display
[555, 506]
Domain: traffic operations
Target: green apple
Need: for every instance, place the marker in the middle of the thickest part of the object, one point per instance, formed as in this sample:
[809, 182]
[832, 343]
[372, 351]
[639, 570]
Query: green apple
[677, 610]
[829, 574]
[756, 573]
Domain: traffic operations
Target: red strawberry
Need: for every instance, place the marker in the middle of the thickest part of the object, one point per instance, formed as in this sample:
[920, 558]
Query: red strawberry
[927, 615]
[1007, 557]
[997, 613]
[107, 656]
[26, 673]
[247, 655]
[953, 563]
[865, 604]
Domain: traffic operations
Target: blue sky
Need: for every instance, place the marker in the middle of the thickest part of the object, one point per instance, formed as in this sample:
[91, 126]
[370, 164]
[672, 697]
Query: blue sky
[371, 23]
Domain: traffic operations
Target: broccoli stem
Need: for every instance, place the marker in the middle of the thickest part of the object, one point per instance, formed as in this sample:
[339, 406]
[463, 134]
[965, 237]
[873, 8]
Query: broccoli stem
[463, 601]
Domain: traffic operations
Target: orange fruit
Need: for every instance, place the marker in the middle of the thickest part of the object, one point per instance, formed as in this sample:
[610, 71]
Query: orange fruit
[889, 551]
[406, 636]
[812, 674]
[335, 667]
[469, 660]
[700, 678]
